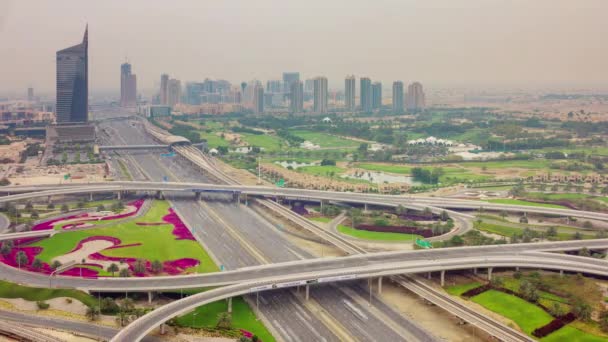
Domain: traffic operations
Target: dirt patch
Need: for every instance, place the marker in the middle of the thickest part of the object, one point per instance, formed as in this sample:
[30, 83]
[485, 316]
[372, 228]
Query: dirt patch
[59, 303]
[88, 248]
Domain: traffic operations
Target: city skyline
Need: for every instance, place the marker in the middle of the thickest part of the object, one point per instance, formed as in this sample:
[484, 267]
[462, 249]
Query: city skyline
[497, 57]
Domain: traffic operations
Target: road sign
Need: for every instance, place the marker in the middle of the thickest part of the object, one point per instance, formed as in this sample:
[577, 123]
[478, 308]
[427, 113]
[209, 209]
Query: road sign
[280, 183]
[66, 176]
[423, 243]
[165, 179]
[170, 154]
[221, 267]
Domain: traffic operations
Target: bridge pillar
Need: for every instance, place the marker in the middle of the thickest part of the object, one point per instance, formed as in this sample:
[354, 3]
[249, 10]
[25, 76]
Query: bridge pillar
[90, 197]
[246, 199]
[429, 275]
[442, 278]
[197, 196]
[119, 195]
[235, 197]
[230, 305]
[561, 273]
[322, 201]
[150, 296]
[48, 198]
[517, 269]
[379, 285]
[162, 329]
[475, 271]
[307, 292]
[489, 273]
[257, 300]
[365, 208]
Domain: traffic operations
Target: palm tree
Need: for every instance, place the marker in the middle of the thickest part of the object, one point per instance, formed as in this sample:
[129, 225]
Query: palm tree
[125, 273]
[122, 318]
[36, 264]
[55, 265]
[224, 320]
[113, 268]
[92, 313]
[157, 266]
[21, 258]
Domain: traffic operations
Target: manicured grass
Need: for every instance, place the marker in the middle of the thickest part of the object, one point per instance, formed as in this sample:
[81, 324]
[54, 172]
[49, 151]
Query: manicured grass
[457, 290]
[571, 334]
[11, 290]
[325, 140]
[521, 202]
[557, 197]
[269, 143]
[528, 316]
[157, 242]
[321, 170]
[498, 229]
[521, 164]
[214, 140]
[242, 318]
[378, 236]
[400, 169]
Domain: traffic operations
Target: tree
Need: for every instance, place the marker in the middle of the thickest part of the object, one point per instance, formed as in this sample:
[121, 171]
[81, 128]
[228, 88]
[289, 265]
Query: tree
[588, 225]
[109, 306]
[65, 208]
[113, 268]
[604, 320]
[6, 248]
[529, 291]
[81, 204]
[523, 219]
[127, 305]
[551, 232]
[557, 310]
[37, 264]
[35, 215]
[122, 318]
[92, 313]
[427, 212]
[101, 207]
[157, 266]
[224, 320]
[50, 206]
[444, 215]
[497, 282]
[504, 214]
[29, 206]
[125, 273]
[56, 264]
[584, 252]
[140, 266]
[577, 236]
[21, 259]
[582, 310]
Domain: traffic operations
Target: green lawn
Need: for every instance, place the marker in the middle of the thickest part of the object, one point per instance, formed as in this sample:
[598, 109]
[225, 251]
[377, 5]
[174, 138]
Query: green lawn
[521, 202]
[378, 236]
[214, 140]
[270, 143]
[321, 170]
[528, 316]
[320, 219]
[458, 290]
[326, 140]
[11, 290]
[158, 242]
[572, 334]
[451, 174]
[242, 318]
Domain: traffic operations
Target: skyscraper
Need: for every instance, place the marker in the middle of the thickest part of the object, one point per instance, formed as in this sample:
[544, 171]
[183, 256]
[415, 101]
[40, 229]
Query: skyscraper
[73, 82]
[349, 92]
[320, 95]
[128, 86]
[30, 94]
[288, 78]
[174, 92]
[164, 89]
[415, 97]
[258, 99]
[398, 97]
[366, 95]
[376, 95]
[296, 97]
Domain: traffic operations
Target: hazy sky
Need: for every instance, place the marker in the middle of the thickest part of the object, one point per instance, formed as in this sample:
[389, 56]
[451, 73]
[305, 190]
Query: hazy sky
[438, 42]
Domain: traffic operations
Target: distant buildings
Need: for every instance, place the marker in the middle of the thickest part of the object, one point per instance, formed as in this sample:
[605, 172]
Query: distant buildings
[349, 93]
[128, 86]
[73, 83]
[258, 99]
[274, 86]
[366, 94]
[415, 97]
[174, 92]
[30, 94]
[288, 79]
[320, 95]
[296, 97]
[398, 97]
[164, 89]
[376, 95]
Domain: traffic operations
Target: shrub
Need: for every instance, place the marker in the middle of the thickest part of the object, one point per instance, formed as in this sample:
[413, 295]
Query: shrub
[42, 305]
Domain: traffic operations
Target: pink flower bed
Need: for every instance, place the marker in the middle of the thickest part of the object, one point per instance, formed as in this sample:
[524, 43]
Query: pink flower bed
[247, 334]
[178, 266]
[150, 223]
[49, 224]
[31, 253]
[137, 204]
[180, 230]
[76, 272]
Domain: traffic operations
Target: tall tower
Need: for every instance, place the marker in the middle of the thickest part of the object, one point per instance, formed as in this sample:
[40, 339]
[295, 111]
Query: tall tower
[320, 95]
[376, 95]
[415, 97]
[349, 92]
[174, 92]
[398, 97]
[258, 99]
[296, 97]
[366, 95]
[73, 82]
[288, 79]
[128, 86]
[164, 89]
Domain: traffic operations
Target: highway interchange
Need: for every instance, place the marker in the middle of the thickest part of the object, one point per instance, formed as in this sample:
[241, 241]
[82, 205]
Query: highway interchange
[241, 240]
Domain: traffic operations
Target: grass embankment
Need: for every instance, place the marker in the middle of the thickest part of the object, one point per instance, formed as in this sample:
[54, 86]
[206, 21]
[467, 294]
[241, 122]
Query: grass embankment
[526, 315]
[320, 219]
[242, 318]
[509, 229]
[527, 203]
[34, 294]
[157, 242]
[457, 290]
[377, 236]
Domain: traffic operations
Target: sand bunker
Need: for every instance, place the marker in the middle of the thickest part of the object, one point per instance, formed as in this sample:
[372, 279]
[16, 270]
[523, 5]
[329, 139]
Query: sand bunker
[84, 251]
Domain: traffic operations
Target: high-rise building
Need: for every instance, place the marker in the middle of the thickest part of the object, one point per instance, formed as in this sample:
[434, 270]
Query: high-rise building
[274, 86]
[398, 97]
[258, 99]
[320, 95]
[30, 94]
[366, 95]
[296, 97]
[128, 86]
[415, 97]
[174, 92]
[288, 78]
[164, 89]
[73, 82]
[349, 93]
[376, 95]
